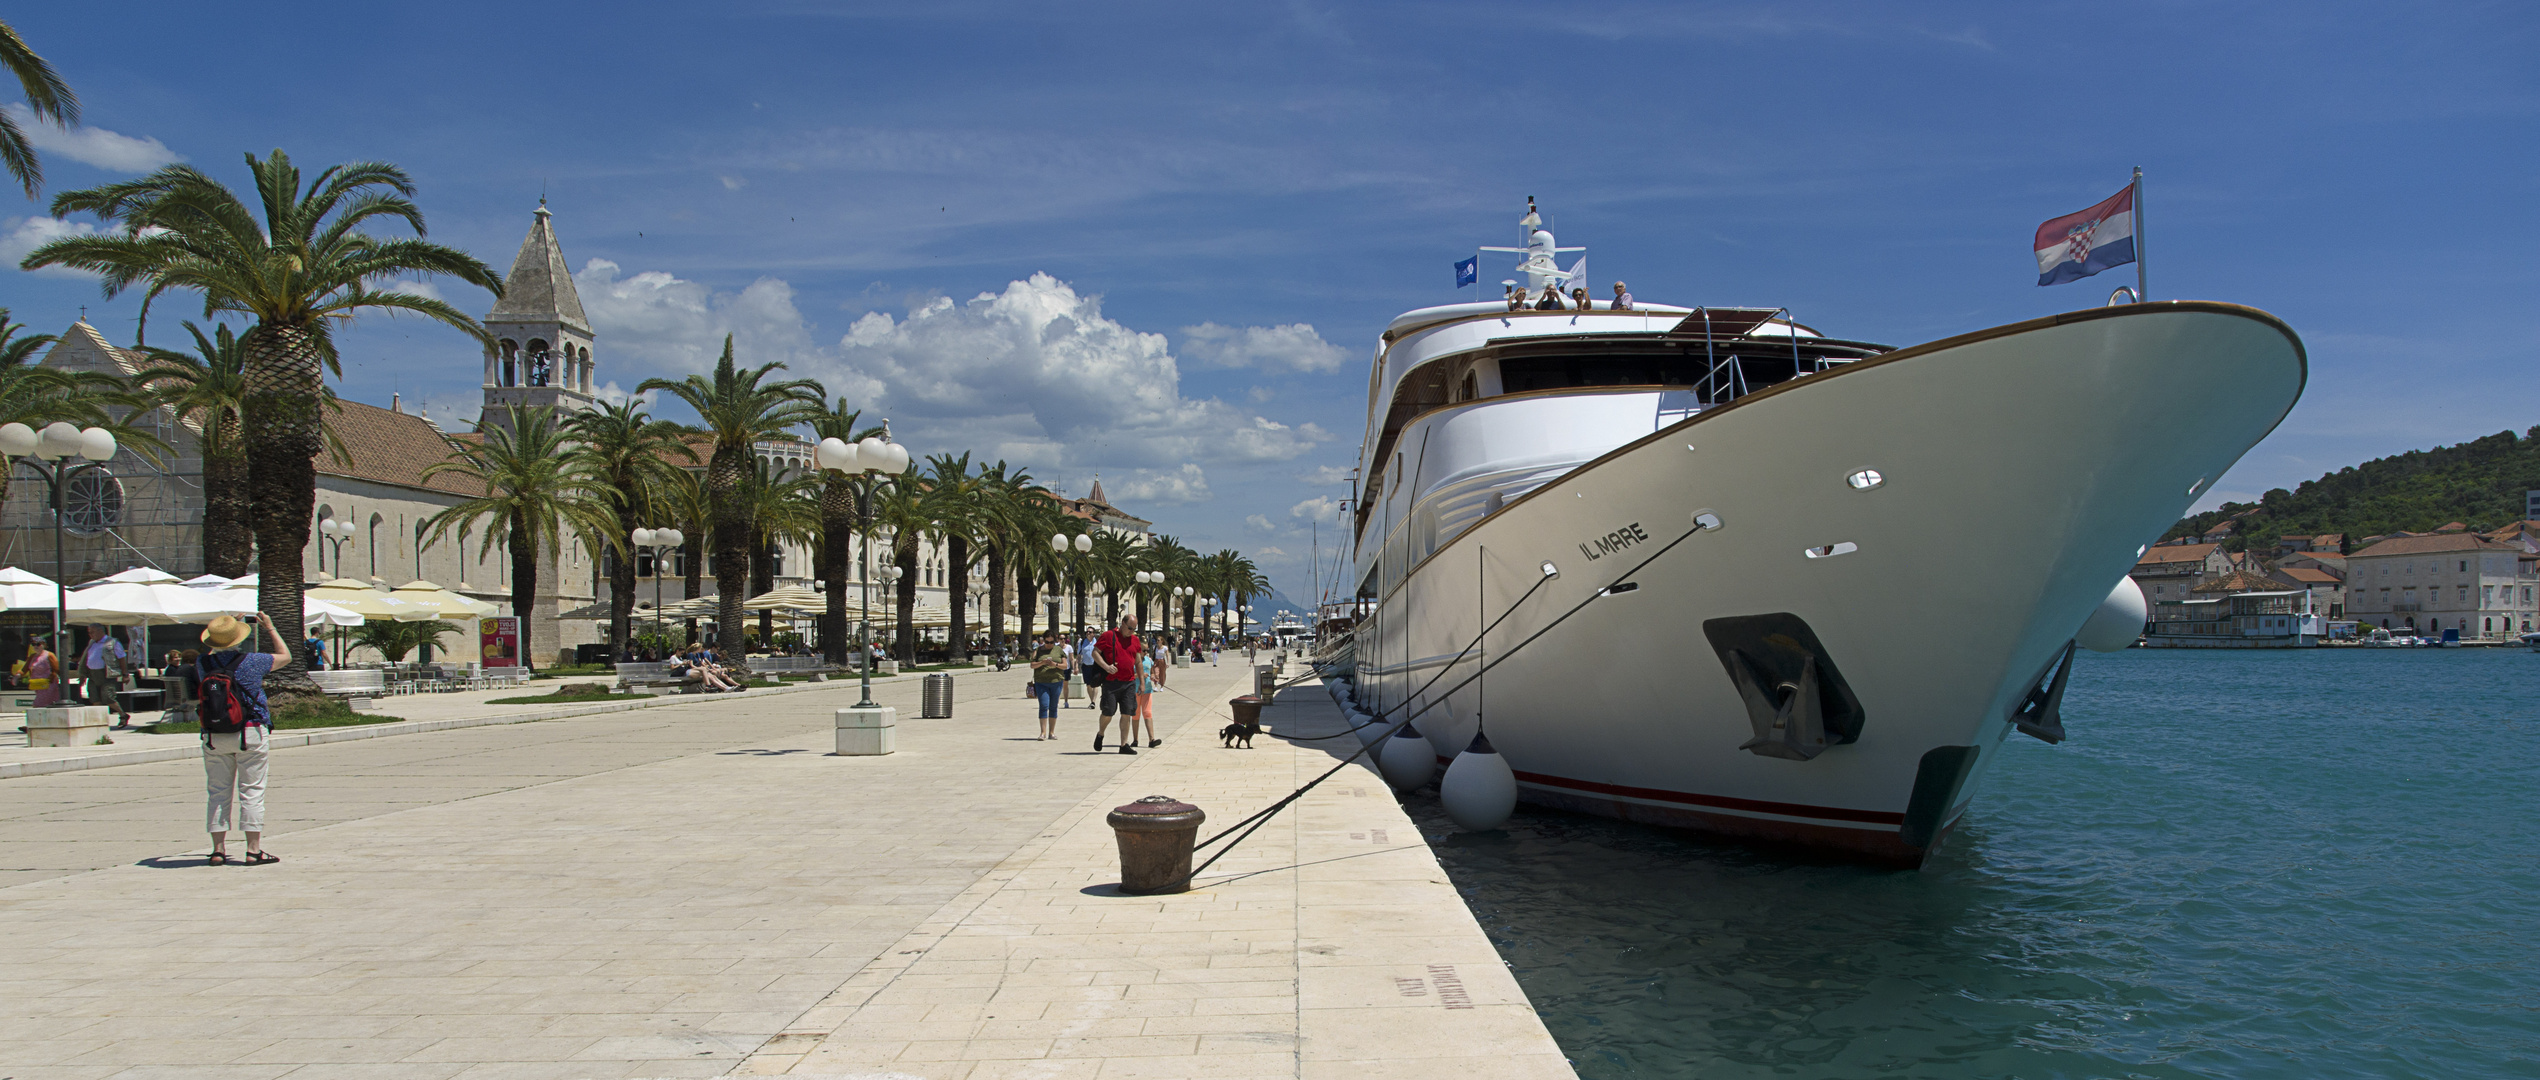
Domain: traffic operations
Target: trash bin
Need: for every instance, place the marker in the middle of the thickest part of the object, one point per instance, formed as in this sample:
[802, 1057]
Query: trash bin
[935, 698]
[1156, 835]
[1265, 683]
[1247, 710]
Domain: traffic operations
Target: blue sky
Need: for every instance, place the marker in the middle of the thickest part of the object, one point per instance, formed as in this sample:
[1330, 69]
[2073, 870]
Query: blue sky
[1190, 221]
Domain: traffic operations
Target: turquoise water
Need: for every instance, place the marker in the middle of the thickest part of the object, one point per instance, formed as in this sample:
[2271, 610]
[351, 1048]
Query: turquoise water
[2242, 864]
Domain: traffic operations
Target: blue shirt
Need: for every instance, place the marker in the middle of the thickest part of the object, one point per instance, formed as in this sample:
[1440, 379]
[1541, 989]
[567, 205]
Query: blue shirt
[249, 674]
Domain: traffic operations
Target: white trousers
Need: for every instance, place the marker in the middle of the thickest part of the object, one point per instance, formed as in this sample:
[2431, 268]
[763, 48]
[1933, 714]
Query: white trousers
[234, 767]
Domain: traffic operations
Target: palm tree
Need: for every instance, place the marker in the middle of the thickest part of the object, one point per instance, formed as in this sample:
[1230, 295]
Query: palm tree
[393, 640]
[299, 273]
[207, 390]
[536, 493]
[36, 395]
[47, 97]
[682, 497]
[954, 498]
[630, 456]
[1007, 495]
[1113, 564]
[784, 509]
[1031, 522]
[738, 408]
[1166, 555]
[839, 493]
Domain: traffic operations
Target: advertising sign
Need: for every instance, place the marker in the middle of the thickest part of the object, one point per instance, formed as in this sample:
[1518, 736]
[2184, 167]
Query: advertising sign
[500, 644]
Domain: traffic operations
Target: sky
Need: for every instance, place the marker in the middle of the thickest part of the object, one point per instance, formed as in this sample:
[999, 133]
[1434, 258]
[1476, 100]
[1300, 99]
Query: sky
[1156, 242]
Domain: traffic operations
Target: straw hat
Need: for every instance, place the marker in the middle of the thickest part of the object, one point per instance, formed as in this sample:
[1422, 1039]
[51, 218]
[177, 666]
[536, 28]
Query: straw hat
[224, 633]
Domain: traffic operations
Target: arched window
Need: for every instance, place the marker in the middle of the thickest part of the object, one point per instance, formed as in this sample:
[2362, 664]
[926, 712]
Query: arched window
[541, 362]
[511, 362]
[371, 538]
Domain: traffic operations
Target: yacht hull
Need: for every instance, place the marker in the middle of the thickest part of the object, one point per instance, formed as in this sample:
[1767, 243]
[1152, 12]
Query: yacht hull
[2019, 471]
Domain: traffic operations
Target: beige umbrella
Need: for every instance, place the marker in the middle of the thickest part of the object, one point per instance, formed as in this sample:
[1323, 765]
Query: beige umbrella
[444, 603]
[794, 597]
[370, 603]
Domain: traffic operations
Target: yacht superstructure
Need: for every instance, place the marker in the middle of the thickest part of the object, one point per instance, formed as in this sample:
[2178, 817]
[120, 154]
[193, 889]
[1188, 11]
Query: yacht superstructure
[1747, 577]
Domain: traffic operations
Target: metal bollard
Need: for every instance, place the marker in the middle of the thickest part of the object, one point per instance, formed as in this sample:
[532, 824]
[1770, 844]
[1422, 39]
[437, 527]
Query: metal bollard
[1156, 834]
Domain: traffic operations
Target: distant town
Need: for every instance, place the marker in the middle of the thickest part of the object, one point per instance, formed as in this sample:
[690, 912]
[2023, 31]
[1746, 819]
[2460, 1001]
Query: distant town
[2452, 583]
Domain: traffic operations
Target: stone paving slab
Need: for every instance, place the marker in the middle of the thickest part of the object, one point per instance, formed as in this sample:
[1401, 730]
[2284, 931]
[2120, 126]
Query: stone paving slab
[647, 893]
[1328, 944]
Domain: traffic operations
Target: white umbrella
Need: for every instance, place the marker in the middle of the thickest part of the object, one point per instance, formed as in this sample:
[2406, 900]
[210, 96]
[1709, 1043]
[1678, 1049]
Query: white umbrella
[444, 603]
[130, 603]
[139, 575]
[20, 589]
[313, 611]
[207, 581]
[791, 596]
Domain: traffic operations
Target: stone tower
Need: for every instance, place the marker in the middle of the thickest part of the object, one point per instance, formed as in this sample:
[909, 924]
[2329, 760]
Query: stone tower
[541, 355]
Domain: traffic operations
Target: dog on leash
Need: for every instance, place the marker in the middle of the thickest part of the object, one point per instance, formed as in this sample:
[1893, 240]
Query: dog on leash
[1238, 732]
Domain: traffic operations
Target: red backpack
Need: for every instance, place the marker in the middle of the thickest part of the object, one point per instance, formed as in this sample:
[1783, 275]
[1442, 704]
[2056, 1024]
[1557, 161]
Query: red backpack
[219, 703]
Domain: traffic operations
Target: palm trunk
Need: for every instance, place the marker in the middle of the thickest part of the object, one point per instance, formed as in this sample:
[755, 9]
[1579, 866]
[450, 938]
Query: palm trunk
[281, 432]
[996, 598]
[762, 579]
[959, 599]
[1110, 608]
[734, 534]
[229, 525]
[1080, 606]
[905, 557]
[1026, 591]
[524, 552]
[837, 524]
[622, 578]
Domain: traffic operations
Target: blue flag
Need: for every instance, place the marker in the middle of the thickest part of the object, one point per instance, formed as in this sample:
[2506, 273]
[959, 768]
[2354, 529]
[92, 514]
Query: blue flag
[1468, 271]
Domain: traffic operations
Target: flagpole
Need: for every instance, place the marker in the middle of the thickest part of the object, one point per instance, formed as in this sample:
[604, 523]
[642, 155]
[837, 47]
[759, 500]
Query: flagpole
[2141, 293]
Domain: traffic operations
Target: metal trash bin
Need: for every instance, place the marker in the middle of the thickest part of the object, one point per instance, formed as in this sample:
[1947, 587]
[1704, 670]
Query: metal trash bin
[935, 697]
[1265, 683]
[1247, 710]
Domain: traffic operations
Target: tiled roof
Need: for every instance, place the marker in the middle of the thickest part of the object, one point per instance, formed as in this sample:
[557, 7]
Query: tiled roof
[2237, 581]
[390, 448]
[2429, 544]
[2176, 553]
[2308, 575]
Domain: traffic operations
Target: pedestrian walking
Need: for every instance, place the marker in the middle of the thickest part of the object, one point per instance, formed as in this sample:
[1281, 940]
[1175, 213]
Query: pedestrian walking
[1049, 680]
[1116, 660]
[1150, 676]
[43, 673]
[101, 668]
[234, 761]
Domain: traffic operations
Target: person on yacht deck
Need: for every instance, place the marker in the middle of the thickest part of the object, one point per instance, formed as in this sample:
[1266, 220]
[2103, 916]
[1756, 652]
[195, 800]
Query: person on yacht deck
[1579, 300]
[1551, 299]
[1516, 298]
[1622, 300]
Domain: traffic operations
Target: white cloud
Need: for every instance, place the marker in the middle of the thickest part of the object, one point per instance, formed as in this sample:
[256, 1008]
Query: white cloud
[656, 324]
[1258, 523]
[733, 183]
[1293, 347]
[1325, 474]
[410, 288]
[93, 146]
[1185, 484]
[1318, 508]
[28, 233]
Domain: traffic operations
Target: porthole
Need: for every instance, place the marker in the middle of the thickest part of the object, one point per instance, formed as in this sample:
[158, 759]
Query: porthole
[1865, 479]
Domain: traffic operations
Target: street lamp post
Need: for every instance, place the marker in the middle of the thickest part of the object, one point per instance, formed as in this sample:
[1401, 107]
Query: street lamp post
[337, 534]
[58, 441]
[660, 541]
[862, 460]
[1079, 545]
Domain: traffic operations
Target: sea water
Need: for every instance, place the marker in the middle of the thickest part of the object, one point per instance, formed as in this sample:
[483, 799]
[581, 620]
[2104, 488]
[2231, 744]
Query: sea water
[2298, 863]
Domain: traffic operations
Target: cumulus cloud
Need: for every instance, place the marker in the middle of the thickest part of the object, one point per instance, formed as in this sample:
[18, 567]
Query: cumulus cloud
[91, 145]
[655, 323]
[1185, 484]
[1293, 347]
[28, 233]
[1040, 365]
[1318, 508]
[1258, 523]
[411, 288]
[1325, 474]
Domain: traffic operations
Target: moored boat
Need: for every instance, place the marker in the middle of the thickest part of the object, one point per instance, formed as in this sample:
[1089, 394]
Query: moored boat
[1731, 573]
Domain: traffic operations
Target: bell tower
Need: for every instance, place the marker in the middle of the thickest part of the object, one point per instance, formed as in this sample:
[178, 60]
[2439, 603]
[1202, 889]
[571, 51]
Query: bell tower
[541, 353]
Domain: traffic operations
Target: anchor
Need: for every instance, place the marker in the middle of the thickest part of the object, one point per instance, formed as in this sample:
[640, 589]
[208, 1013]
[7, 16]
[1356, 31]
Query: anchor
[2041, 715]
[1796, 700]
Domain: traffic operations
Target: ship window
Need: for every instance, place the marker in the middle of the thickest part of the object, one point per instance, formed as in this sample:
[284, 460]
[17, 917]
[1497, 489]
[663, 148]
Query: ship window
[1518, 375]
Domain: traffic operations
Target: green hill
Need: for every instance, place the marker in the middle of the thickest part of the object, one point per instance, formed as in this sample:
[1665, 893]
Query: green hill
[2480, 482]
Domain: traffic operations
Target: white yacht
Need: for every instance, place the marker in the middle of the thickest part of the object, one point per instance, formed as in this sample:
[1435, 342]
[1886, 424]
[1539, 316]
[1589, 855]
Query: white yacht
[1743, 576]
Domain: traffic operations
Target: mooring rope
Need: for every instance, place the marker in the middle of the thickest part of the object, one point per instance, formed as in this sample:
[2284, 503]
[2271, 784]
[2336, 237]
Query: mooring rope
[1262, 817]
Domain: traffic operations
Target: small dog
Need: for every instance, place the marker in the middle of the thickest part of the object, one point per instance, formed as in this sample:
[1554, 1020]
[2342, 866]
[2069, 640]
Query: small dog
[1238, 733]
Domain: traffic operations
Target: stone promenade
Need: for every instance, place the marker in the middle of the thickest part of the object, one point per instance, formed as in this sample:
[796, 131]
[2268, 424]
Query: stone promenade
[700, 889]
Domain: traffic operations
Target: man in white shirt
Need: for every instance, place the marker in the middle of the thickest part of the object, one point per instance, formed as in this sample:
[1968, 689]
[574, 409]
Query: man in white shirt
[101, 668]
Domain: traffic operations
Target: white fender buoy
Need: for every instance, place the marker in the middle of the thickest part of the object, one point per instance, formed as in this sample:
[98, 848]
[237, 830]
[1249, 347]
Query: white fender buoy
[1369, 731]
[1479, 790]
[2118, 621]
[1407, 759]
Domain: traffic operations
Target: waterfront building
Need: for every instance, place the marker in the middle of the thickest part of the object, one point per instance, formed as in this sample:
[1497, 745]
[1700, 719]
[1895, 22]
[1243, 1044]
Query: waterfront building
[2165, 572]
[2240, 609]
[2326, 590]
[2445, 581]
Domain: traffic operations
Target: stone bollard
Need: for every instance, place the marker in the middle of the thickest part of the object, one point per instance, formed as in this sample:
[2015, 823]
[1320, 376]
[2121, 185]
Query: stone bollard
[867, 732]
[69, 725]
[1156, 834]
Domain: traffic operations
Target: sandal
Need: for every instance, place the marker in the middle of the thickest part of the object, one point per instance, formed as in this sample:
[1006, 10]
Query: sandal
[217, 858]
[259, 858]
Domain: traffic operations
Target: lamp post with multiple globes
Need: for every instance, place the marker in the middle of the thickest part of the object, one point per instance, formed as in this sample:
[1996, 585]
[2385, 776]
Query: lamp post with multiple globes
[51, 448]
[1078, 545]
[661, 541]
[869, 461]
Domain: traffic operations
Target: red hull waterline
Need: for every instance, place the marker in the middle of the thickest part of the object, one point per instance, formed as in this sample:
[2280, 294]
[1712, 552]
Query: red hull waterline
[1872, 836]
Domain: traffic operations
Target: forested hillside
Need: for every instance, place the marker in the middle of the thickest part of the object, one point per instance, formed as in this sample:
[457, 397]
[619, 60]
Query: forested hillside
[2480, 482]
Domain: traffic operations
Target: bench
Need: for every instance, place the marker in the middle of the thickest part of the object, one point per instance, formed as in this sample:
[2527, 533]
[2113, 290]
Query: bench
[656, 679]
[358, 687]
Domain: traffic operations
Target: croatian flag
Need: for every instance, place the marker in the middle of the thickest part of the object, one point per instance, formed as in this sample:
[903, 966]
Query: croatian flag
[2075, 246]
[1468, 271]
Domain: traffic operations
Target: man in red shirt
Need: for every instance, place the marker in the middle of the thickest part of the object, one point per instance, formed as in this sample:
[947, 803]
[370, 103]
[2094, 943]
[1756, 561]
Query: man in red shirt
[1117, 652]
